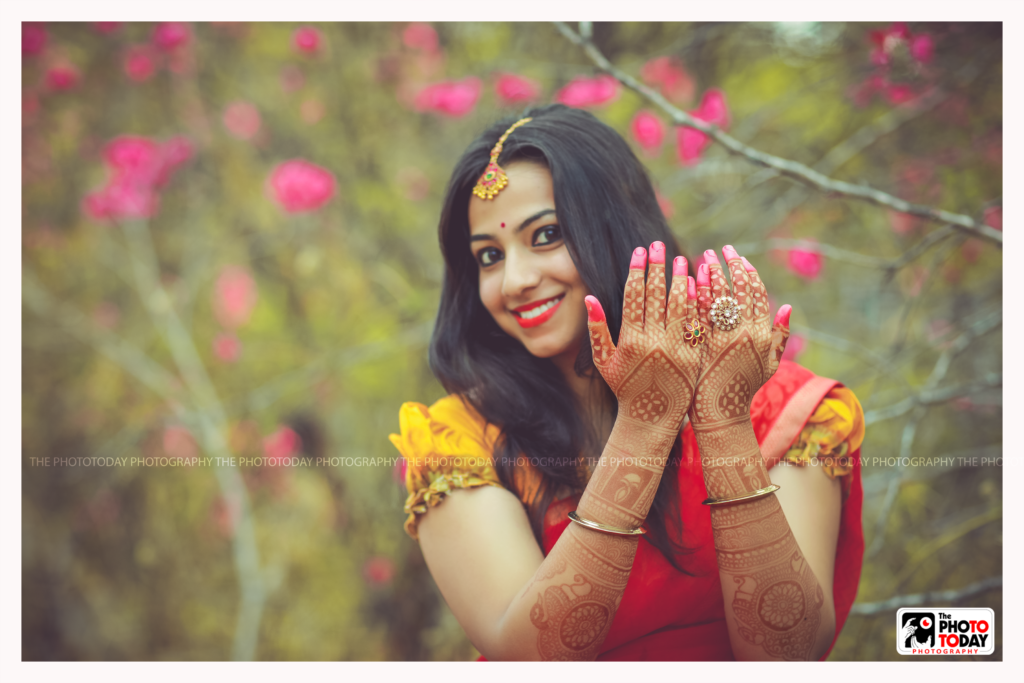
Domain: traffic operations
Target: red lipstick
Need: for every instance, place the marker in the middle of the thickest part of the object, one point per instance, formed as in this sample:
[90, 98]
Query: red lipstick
[552, 305]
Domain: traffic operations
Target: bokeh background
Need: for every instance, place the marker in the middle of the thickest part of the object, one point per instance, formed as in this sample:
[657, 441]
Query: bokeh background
[229, 251]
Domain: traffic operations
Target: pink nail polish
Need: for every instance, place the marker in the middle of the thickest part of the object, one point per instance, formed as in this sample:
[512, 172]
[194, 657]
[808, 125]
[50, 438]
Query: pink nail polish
[679, 266]
[595, 313]
[657, 253]
[782, 317]
[729, 253]
[639, 259]
[691, 288]
[710, 256]
[703, 276]
[746, 264]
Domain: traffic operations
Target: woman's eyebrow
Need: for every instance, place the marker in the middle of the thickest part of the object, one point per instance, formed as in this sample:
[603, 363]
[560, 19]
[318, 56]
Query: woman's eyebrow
[522, 226]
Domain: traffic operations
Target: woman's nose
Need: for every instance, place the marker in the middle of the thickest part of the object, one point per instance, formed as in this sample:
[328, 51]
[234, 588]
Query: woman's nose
[521, 274]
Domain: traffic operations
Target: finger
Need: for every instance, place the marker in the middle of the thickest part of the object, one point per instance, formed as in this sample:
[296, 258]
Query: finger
[740, 282]
[655, 304]
[691, 298]
[677, 306]
[633, 297]
[759, 306]
[719, 286]
[704, 295]
[780, 335]
[600, 337]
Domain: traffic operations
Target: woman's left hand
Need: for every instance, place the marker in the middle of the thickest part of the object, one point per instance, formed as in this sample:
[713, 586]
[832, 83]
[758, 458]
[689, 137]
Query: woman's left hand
[737, 361]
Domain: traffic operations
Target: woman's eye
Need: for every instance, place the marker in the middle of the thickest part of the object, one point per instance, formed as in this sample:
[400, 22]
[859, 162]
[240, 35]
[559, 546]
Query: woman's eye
[488, 256]
[547, 235]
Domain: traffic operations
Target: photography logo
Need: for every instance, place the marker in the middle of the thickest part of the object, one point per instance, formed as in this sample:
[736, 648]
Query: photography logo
[945, 631]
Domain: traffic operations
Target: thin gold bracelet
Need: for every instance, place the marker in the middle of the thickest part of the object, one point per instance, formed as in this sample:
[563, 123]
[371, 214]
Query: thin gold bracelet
[771, 488]
[597, 526]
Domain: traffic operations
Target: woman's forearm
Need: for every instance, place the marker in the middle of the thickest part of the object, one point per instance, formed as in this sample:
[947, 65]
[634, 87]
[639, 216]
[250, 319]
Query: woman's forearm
[566, 610]
[775, 606]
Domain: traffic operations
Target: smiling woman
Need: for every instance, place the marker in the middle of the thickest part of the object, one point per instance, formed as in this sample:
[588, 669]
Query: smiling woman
[543, 231]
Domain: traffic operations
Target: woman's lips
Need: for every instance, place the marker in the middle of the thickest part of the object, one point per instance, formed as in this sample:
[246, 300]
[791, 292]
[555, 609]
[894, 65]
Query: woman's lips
[539, 312]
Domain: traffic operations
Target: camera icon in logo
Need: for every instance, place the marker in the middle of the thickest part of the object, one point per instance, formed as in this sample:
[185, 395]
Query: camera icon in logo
[918, 629]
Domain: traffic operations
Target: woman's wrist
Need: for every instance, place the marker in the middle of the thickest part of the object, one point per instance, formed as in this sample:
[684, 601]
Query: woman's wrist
[731, 459]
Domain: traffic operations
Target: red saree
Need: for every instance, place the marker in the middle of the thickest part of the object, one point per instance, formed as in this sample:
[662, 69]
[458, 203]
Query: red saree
[668, 616]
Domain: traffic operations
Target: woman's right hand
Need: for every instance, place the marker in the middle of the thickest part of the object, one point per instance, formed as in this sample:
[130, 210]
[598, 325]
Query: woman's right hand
[654, 368]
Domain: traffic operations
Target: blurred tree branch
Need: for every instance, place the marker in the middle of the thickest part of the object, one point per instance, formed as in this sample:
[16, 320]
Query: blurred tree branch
[785, 167]
[943, 597]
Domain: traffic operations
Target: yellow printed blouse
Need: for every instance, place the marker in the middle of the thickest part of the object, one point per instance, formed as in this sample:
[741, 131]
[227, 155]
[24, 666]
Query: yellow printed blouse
[449, 446]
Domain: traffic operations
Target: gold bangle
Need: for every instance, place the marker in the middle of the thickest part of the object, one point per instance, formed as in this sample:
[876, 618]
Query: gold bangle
[771, 488]
[597, 526]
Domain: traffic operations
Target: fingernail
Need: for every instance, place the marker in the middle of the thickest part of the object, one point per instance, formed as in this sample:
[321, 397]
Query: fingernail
[703, 276]
[679, 266]
[729, 253]
[657, 253]
[595, 313]
[782, 317]
[639, 259]
[691, 288]
[710, 256]
[746, 264]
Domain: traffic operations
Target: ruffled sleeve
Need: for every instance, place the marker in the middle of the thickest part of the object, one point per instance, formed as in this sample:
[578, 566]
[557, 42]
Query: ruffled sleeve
[447, 446]
[831, 436]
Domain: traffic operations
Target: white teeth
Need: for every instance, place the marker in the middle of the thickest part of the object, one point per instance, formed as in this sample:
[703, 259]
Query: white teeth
[534, 312]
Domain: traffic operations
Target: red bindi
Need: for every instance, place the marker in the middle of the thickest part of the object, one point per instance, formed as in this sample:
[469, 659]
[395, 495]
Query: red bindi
[503, 225]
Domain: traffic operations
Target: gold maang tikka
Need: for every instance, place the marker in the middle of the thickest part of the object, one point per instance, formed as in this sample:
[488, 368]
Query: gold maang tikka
[494, 179]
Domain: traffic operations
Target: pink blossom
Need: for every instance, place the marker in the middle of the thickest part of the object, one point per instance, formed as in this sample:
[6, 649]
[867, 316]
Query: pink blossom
[299, 186]
[379, 571]
[449, 98]
[33, 39]
[994, 217]
[588, 92]
[922, 48]
[794, 347]
[171, 35]
[668, 73]
[234, 297]
[648, 130]
[139, 63]
[307, 40]
[420, 37]
[513, 89]
[106, 26]
[898, 93]
[62, 77]
[886, 42]
[282, 443]
[178, 442]
[398, 471]
[242, 120]
[805, 263]
[903, 223]
[227, 347]
[691, 142]
[138, 167]
[121, 198]
[312, 110]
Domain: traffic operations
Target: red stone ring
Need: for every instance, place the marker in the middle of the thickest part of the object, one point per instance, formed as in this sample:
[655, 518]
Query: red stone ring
[695, 333]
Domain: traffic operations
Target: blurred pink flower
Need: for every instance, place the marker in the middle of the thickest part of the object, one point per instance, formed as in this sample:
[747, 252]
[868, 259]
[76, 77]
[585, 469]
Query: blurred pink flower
[106, 26]
[513, 89]
[171, 35]
[299, 186]
[805, 263]
[379, 571]
[234, 296]
[865, 91]
[178, 442]
[398, 472]
[418, 36]
[898, 93]
[690, 142]
[33, 38]
[994, 217]
[902, 223]
[972, 249]
[307, 40]
[282, 443]
[794, 347]
[62, 77]
[242, 120]
[312, 110]
[588, 92]
[139, 63]
[449, 98]
[227, 347]
[922, 48]
[673, 80]
[648, 130]
[886, 42]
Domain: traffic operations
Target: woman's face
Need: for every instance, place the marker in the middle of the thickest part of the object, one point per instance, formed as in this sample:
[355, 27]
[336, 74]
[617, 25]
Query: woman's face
[528, 282]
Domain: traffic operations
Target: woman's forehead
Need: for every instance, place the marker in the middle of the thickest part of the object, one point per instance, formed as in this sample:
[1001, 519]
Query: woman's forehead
[529, 190]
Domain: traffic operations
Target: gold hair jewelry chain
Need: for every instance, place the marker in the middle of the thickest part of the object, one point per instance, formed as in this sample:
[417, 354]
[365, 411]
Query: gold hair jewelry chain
[494, 179]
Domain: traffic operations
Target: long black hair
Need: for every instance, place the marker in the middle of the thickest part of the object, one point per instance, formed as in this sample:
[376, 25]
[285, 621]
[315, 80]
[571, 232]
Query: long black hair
[606, 208]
